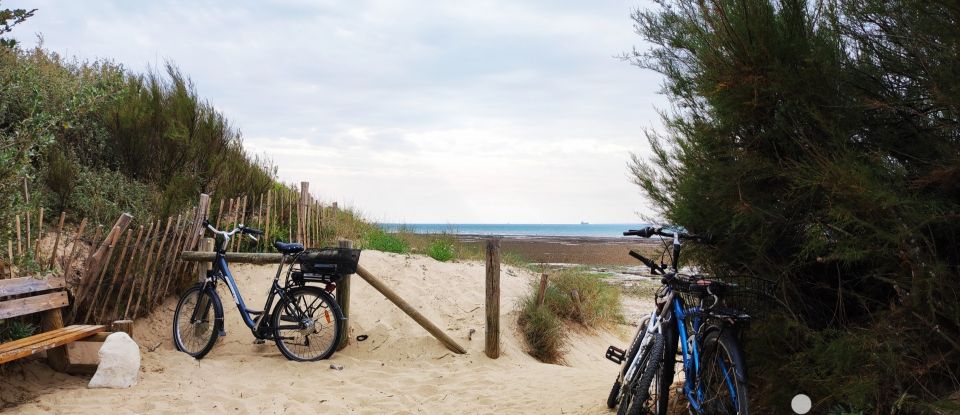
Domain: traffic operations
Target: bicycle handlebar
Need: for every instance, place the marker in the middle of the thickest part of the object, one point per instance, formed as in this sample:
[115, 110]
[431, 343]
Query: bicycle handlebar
[650, 231]
[251, 232]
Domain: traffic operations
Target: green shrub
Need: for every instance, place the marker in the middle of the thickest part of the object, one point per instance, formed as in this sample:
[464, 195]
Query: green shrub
[60, 176]
[379, 240]
[14, 330]
[442, 249]
[102, 195]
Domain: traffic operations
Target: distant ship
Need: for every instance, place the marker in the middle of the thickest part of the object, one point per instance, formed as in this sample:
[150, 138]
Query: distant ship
[584, 223]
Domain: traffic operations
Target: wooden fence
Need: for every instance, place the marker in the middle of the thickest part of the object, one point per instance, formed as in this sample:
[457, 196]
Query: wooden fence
[126, 270]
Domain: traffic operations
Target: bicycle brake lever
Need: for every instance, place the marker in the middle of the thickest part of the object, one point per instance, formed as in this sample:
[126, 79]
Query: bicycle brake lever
[253, 237]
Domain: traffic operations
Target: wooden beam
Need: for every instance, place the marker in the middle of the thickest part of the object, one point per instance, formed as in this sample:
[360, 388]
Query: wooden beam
[410, 310]
[69, 335]
[34, 304]
[24, 285]
[233, 257]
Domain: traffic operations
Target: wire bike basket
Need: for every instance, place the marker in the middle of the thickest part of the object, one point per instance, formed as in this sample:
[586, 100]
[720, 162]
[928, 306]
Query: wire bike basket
[739, 296]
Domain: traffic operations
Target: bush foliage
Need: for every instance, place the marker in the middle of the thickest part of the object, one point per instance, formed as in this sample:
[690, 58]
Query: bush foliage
[819, 143]
[94, 137]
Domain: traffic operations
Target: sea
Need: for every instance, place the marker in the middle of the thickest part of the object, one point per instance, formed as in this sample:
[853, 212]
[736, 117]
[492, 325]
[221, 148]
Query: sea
[600, 230]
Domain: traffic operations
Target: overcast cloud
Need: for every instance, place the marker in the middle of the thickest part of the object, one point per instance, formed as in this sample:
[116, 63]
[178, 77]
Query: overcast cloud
[411, 111]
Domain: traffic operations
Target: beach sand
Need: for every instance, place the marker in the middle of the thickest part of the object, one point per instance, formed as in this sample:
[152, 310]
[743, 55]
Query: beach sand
[400, 368]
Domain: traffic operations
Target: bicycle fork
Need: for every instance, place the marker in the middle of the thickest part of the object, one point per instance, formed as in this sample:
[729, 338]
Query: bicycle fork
[653, 326]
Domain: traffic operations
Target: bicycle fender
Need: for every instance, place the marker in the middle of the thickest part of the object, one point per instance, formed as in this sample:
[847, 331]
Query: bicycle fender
[728, 336]
[217, 306]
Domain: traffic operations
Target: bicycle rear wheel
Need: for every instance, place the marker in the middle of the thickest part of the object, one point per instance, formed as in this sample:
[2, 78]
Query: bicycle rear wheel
[197, 321]
[307, 324]
[723, 378]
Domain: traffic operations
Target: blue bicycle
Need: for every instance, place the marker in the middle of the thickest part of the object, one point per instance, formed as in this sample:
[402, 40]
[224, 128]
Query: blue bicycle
[306, 321]
[708, 315]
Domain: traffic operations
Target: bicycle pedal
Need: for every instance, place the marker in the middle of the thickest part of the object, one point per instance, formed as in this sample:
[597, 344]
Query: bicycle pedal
[259, 341]
[616, 355]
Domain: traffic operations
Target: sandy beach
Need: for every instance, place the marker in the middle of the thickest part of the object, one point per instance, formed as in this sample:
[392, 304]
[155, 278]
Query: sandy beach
[400, 368]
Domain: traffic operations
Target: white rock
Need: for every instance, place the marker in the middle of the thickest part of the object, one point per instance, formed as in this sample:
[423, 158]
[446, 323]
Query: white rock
[119, 363]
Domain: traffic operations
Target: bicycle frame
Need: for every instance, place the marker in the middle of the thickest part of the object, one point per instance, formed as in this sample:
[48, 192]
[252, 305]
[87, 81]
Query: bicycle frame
[653, 326]
[221, 271]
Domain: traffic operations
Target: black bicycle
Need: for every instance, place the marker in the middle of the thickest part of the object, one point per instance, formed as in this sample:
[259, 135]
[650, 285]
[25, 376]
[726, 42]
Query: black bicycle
[705, 316]
[306, 321]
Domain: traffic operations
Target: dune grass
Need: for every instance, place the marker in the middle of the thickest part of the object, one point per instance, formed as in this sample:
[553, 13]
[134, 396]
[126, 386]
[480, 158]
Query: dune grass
[543, 326]
[379, 240]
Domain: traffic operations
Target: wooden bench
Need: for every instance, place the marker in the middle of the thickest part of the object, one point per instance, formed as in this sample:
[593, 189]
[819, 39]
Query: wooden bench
[22, 296]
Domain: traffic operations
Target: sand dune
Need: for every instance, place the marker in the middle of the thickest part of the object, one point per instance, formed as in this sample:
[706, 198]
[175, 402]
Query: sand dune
[400, 368]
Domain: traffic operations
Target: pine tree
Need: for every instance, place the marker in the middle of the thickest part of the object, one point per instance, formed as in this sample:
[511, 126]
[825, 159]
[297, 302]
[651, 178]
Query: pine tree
[820, 145]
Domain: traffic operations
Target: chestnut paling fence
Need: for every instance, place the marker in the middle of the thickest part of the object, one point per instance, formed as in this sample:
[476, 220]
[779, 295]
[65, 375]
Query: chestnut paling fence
[124, 271]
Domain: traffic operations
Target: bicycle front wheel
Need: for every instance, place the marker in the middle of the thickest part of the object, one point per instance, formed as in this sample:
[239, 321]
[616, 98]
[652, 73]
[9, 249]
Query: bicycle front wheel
[636, 394]
[307, 324]
[197, 321]
[723, 377]
[614, 397]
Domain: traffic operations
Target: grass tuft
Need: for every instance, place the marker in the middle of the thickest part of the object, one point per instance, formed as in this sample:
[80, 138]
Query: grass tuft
[543, 330]
[542, 326]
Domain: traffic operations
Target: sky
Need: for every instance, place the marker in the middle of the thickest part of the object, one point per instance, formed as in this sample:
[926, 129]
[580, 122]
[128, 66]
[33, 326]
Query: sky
[489, 111]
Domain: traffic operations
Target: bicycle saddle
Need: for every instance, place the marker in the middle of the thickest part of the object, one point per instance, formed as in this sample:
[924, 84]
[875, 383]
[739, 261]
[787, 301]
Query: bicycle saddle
[288, 248]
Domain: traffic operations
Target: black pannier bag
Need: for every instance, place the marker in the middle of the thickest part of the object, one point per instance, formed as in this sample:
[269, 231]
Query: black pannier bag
[326, 265]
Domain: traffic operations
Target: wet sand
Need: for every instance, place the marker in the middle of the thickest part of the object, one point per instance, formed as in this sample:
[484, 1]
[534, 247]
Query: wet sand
[573, 250]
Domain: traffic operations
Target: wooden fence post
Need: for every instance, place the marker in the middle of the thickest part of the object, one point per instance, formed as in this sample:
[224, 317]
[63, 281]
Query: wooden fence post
[19, 240]
[36, 248]
[26, 198]
[125, 326]
[206, 245]
[343, 300]
[492, 347]
[542, 291]
[73, 251]
[575, 296]
[56, 242]
[302, 213]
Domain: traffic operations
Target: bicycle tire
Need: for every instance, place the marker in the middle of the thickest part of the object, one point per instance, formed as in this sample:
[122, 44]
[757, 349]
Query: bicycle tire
[717, 346]
[639, 392]
[322, 306]
[614, 397]
[664, 379]
[207, 332]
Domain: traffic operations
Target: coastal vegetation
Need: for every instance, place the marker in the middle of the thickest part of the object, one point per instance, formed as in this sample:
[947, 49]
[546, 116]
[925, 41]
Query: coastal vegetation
[573, 297]
[817, 142]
